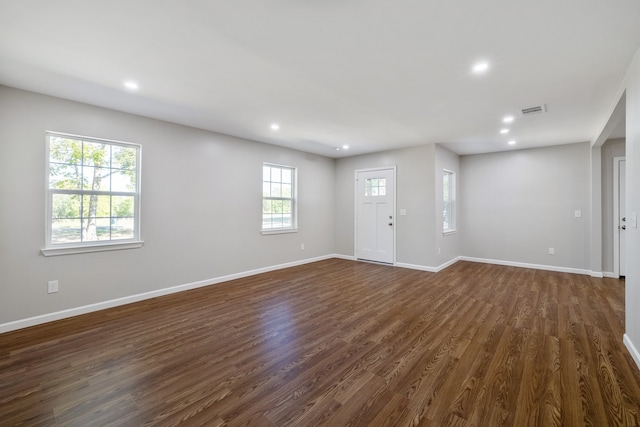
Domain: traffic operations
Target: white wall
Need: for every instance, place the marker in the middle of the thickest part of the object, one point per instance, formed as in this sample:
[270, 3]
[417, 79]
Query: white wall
[517, 204]
[610, 149]
[201, 208]
[415, 184]
[632, 283]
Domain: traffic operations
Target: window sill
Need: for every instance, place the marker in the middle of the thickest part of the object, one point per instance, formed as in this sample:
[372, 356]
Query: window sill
[279, 231]
[448, 232]
[69, 250]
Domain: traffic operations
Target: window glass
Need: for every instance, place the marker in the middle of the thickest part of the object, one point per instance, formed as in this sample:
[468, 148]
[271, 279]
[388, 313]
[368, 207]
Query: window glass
[278, 197]
[448, 199]
[93, 193]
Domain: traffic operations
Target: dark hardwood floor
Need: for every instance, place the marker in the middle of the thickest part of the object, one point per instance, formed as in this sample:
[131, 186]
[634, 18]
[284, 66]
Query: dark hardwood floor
[337, 343]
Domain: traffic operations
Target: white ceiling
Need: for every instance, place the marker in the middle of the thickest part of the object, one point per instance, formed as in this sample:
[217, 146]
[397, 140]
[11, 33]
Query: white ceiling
[373, 74]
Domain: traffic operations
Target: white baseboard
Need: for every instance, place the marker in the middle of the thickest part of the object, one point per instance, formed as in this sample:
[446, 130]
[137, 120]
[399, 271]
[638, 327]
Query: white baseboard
[597, 274]
[527, 265]
[50, 317]
[427, 268]
[632, 349]
[448, 263]
[416, 267]
[500, 262]
[347, 257]
[488, 261]
[58, 315]
[610, 275]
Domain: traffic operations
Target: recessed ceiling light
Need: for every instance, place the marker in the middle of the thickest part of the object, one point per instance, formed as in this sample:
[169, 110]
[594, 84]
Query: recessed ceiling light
[504, 131]
[337, 148]
[480, 67]
[131, 85]
[275, 126]
[512, 142]
[508, 119]
[345, 147]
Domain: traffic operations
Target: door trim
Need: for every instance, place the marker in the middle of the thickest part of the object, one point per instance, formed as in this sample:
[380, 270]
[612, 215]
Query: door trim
[355, 210]
[616, 215]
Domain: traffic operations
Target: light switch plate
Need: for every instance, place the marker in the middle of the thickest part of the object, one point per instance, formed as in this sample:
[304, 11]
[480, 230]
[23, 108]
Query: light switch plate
[577, 213]
[403, 211]
[633, 220]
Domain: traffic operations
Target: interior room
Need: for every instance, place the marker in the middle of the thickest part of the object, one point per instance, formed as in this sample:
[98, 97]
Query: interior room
[447, 232]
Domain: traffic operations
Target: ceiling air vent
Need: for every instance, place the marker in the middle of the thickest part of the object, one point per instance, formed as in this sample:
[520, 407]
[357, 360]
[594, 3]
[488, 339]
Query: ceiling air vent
[537, 109]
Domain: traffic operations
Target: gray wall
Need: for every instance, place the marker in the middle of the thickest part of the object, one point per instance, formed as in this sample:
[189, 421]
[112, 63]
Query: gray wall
[632, 284]
[517, 204]
[415, 184]
[201, 207]
[610, 149]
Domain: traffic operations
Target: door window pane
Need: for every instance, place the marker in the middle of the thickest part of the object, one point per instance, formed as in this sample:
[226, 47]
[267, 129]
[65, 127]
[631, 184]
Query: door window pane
[375, 187]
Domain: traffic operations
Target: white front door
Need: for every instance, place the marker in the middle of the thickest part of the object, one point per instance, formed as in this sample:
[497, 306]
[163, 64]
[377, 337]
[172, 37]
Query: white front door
[375, 215]
[622, 220]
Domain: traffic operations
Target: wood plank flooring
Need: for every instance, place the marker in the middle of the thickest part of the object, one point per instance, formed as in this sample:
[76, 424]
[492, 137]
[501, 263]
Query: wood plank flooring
[337, 343]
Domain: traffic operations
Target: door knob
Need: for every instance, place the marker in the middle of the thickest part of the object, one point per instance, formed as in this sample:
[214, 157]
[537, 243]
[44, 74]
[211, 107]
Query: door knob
[390, 223]
[624, 227]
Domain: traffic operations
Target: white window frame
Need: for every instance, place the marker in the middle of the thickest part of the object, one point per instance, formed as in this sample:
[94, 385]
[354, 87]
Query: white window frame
[450, 226]
[53, 249]
[293, 200]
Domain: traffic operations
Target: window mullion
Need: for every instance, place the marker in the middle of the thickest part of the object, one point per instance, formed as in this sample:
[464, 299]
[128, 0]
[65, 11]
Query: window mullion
[92, 192]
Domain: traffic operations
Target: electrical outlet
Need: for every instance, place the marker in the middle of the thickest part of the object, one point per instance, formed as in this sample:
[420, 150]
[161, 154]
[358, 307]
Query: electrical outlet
[552, 251]
[52, 286]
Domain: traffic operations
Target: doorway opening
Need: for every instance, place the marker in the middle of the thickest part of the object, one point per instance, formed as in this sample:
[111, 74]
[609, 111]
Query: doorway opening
[619, 217]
